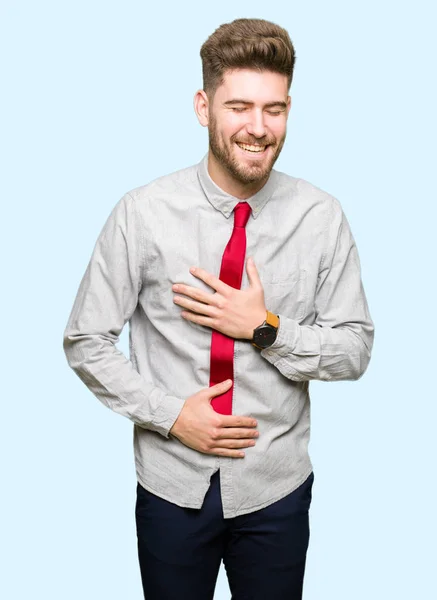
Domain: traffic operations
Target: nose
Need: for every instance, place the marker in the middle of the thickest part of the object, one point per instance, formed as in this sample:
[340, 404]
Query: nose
[256, 125]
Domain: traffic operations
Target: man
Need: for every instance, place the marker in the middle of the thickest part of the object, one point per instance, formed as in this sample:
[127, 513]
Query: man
[241, 284]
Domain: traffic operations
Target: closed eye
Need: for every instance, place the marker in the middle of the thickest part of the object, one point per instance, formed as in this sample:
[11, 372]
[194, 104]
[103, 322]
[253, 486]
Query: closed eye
[274, 113]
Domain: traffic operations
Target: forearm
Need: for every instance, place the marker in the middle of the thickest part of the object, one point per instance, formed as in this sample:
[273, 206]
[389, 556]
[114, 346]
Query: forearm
[338, 345]
[305, 352]
[112, 378]
[105, 301]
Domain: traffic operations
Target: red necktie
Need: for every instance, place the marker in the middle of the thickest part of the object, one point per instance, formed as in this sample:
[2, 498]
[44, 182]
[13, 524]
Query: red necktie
[222, 346]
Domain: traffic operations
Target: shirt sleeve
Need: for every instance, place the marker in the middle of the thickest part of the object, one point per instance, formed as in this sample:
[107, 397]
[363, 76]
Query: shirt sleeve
[338, 345]
[105, 301]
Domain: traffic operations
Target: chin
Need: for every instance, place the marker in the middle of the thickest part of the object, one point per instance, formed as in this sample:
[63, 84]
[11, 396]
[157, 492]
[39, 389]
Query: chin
[252, 173]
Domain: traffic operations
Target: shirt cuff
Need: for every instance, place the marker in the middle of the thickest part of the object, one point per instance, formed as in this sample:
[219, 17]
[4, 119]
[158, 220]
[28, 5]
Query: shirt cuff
[286, 340]
[166, 415]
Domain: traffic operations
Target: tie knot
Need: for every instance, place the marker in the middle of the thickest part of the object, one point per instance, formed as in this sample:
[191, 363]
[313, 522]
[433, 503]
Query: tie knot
[241, 214]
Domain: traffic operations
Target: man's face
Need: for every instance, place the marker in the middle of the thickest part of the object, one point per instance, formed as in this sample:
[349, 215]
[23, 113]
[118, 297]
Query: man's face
[247, 123]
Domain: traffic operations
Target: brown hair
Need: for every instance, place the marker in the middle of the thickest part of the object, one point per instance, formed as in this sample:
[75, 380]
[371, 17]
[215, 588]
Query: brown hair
[246, 44]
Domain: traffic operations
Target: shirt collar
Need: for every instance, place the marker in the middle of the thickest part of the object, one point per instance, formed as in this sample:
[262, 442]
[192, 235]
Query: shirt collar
[226, 203]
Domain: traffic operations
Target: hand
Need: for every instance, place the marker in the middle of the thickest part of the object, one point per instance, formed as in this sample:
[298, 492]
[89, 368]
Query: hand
[236, 313]
[200, 427]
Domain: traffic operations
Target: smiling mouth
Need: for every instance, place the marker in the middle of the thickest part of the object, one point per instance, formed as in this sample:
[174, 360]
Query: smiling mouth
[252, 148]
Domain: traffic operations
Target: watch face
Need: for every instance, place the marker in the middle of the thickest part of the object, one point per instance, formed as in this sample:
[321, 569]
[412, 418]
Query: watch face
[265, 336]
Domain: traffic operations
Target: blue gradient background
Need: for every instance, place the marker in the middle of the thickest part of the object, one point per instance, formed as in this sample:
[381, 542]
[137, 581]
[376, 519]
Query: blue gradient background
[97, 99]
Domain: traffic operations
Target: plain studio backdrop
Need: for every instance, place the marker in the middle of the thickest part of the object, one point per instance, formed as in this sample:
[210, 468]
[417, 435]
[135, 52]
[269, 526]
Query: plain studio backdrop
[97, 98]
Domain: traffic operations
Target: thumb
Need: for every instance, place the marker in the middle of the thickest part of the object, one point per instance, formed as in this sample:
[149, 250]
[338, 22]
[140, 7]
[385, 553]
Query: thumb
[252, 271]
[219, 388]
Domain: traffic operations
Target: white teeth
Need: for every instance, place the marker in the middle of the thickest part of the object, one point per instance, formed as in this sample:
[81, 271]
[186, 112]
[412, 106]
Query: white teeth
[251, 148]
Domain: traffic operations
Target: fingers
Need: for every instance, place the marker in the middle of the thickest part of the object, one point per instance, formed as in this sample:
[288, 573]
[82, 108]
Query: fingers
[219, 388]
[231, 432]
[230, 447]
[225, 447]
[210, 280]
[229, 420]
[231, 443]
[197, 307]
[237, 421]
[224, 433]
[229, 453]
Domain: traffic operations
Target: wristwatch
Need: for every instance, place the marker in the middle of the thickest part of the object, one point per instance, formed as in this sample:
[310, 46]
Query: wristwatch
[265, 334]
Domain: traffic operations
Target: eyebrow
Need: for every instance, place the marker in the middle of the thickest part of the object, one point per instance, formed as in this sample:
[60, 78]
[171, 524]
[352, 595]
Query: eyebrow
[246, 102]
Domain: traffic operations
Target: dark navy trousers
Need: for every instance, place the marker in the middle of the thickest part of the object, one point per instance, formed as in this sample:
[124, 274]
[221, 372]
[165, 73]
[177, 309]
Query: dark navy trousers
[180, 549]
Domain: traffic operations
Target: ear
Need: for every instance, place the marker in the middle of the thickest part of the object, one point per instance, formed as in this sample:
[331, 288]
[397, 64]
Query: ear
[288, 104]
[201, 107]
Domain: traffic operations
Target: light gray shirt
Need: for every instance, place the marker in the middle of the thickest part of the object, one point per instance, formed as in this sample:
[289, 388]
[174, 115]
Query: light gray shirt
[310, 270]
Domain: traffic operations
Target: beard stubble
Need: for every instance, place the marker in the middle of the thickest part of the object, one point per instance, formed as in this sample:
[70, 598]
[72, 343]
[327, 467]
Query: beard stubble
[242, 173]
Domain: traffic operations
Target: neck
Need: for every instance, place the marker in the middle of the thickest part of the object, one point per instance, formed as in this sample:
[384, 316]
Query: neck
[229, 184]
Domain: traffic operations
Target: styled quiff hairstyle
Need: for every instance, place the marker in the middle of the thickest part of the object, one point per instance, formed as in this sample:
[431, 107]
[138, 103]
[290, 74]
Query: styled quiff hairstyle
[246, 44]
